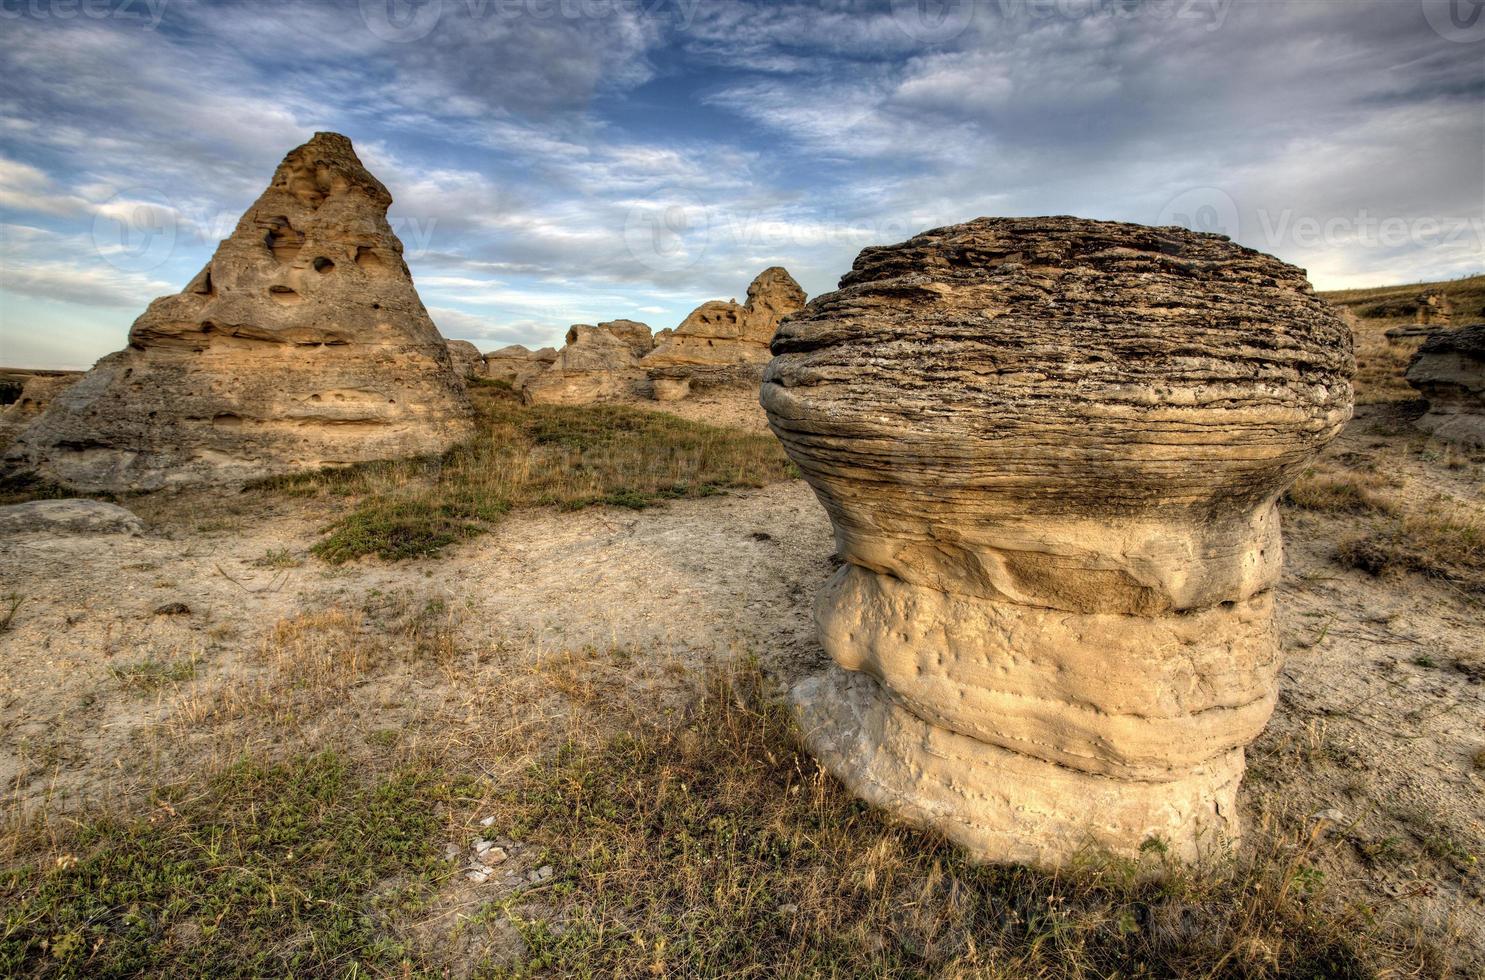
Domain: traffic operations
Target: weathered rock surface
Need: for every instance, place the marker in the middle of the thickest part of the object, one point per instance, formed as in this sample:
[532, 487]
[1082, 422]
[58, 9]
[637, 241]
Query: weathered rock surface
[467, 359]
[595, 365]
[1051, 450]
[68, 516]
[36, 395]
[515, 365]
[721, 342]
[637, 335]
[1449, 370]
[301, 344]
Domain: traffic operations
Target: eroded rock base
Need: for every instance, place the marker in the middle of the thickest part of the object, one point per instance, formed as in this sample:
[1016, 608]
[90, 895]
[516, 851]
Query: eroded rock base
[999, 805]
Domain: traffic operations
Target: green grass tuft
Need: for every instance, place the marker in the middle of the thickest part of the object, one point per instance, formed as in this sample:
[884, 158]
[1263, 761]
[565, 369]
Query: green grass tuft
[568, 457]
[272, 871]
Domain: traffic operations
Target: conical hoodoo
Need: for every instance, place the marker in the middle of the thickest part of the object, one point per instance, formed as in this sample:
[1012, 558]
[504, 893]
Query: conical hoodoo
[301, 344]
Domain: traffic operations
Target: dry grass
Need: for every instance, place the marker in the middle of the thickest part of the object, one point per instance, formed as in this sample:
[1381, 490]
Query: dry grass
[559, 456]
[703, 844]
[1442, 539]
[1342, 492]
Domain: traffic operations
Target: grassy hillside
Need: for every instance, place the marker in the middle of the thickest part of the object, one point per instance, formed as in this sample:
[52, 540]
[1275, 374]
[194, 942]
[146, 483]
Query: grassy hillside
[1380, 363]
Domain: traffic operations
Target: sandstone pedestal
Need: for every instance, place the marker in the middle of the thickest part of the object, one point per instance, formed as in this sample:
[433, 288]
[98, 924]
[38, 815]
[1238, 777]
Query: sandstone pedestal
[1051, 450]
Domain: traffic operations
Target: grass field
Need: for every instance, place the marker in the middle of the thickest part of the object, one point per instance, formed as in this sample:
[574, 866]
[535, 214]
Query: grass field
[707, 844]
[1380, 363]
[532, 456]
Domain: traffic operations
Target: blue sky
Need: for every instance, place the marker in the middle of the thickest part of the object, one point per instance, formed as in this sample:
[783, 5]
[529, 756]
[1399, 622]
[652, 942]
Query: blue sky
[564, 161]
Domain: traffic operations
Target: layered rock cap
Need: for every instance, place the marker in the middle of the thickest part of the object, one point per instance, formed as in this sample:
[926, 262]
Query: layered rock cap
[1051, 450]
[303, 343]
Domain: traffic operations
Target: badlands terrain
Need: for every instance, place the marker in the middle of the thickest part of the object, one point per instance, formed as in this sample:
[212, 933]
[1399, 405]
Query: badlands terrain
[238, 740]
[335, 648]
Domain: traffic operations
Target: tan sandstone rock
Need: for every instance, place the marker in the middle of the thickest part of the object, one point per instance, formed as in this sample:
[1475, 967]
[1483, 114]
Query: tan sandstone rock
[301, 344]
[722, 342]
[515, 365]
[595, 365]
[1051, 450]
[1449, 370]
[467, 360]
[37, 393]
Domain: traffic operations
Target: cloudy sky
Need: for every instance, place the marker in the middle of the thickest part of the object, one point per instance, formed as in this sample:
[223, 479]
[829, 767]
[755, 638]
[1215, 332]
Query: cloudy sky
[562, 161]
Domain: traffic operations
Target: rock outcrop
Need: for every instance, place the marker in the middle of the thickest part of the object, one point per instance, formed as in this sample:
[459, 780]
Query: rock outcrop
[301, 344]
[597, 364]
[637, 335]
[515, 365]
[726, 342]
[1051, 450]
[467, 359]
[37, 393]
[68, 516]
[1449, 370]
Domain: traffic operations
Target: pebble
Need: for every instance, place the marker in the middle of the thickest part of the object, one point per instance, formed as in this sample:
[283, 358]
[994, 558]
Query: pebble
[478, 875]
[541, 874]
[487, 821]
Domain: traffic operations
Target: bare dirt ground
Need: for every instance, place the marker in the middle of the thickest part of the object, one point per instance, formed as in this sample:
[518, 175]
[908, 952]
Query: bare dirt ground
[1380, 726]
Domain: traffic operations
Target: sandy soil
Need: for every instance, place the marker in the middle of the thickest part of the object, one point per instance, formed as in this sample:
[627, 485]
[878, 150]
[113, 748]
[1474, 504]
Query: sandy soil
[1381, 714]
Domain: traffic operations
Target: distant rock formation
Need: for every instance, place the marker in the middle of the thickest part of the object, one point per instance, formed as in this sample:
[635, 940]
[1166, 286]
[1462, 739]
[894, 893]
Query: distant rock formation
[468, 362]
[1434, 309]
[1051, 450]
[1449, 370]
[301, 344]
[599, 363]
[36, 394]
[515, 365]
[726, 342]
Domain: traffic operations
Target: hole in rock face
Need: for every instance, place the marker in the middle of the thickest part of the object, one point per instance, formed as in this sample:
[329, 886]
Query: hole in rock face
[227, 420]
[201, 285]
[282, 240]
[284, 296]
[323, 265]
[370, 262]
